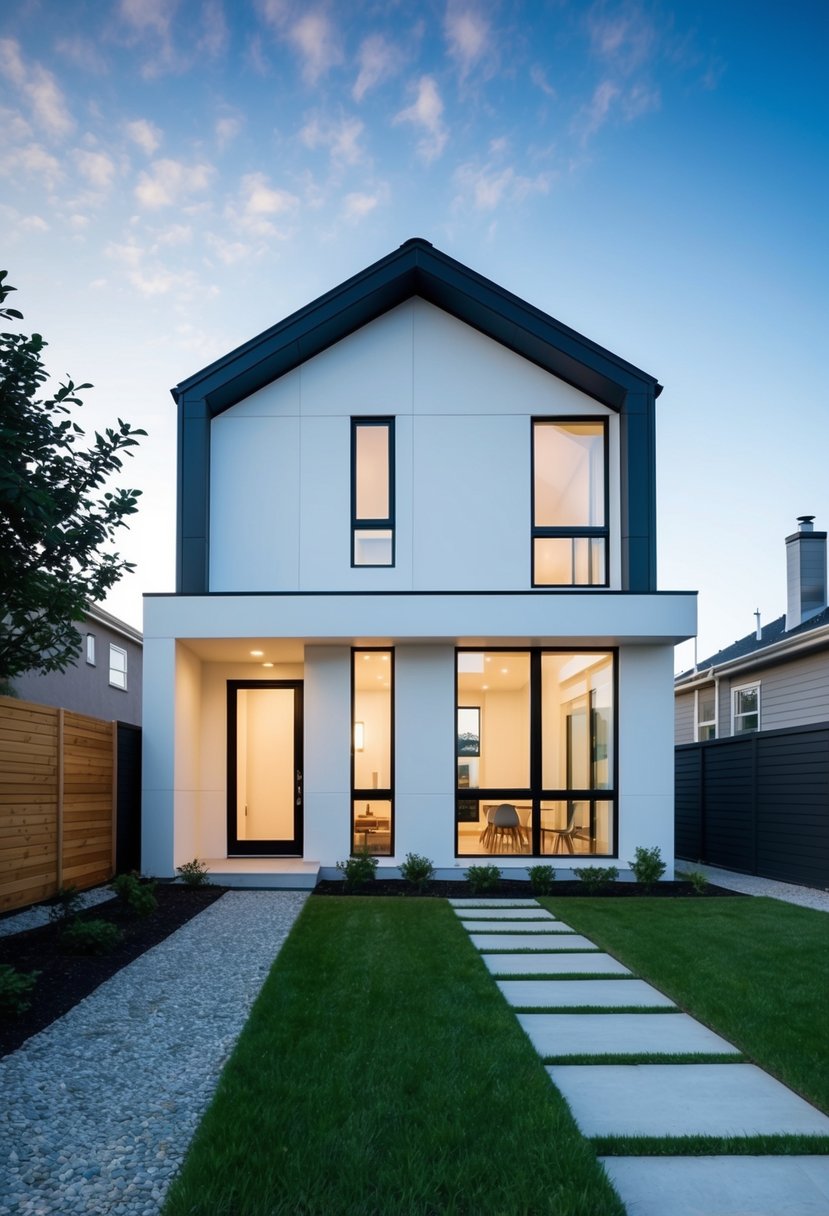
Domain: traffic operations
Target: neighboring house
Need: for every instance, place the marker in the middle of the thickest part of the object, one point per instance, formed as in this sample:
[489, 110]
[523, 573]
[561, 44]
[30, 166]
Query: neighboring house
[775, 677]
[416, 581]
[105, 679]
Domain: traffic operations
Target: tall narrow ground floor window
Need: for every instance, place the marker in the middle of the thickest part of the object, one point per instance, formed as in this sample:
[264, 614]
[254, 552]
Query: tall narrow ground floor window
[372, 751]
[536, 752]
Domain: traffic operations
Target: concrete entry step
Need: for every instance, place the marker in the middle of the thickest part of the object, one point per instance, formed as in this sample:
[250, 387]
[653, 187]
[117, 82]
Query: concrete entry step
[593, 963]
[531, 941]
[287, 873]
[683, 1100]
[538, 994]
[727, 1186]
[496, 914]
[569, 1034]
[473, 901]
[521, 926]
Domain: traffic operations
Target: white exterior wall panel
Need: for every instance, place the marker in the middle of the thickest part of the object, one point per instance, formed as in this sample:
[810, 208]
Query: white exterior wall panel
[646, 753]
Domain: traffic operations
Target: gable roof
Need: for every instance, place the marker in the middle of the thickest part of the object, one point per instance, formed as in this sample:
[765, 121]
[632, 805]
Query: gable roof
[765, 650]
[417, 269]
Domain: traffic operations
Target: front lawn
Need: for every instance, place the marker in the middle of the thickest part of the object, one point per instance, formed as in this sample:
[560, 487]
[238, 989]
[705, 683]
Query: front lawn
[755, 970]
[381, 1072]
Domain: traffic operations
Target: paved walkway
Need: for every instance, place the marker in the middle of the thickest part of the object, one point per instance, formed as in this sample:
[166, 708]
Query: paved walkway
[751, 884]
[574, 1000]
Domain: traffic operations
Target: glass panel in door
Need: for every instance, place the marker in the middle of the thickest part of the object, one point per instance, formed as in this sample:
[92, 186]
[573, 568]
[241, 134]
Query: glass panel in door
[264, 768]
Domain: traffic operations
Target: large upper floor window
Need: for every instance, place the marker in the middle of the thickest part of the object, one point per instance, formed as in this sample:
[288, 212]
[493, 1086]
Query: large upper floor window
[117, 667]
[569, 524]
[372, 491]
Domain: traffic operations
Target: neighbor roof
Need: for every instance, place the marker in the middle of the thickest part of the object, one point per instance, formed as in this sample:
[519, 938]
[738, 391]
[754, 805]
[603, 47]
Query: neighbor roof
[417, 269]
[745, 647]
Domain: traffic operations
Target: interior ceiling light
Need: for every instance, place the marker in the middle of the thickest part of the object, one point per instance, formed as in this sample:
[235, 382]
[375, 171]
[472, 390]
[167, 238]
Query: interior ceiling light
[267, 664]
[257, 654]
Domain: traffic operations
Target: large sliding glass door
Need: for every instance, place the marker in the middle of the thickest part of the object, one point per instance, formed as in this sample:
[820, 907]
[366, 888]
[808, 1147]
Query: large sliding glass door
[535, 752]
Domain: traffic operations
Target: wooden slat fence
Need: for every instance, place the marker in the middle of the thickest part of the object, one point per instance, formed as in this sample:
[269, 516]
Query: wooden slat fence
[57, 801]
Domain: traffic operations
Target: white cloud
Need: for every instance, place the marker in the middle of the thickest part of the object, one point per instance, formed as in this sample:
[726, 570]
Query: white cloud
[378, 60]
[176, 234]
[96, 167]
[78, 222]
[640, 100]
[215, 34]
[260, 204]
[539, 79]
[625, 38]
[593, 116]
[143, 15]
[34, 161]
[357, 205]
[144, 133]
[316, 39]
[467, 33]
[488, 186]
[341, 138]
[227, 129]
[426, 113]
[39, 87]
[13, 127]
[34, 223]
[83, 52]
[229, 252]
[171, 181]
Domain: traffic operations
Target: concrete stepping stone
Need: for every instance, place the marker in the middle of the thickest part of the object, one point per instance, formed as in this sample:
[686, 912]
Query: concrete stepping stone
[495, 914]
[728, 1186]
[594, 963]
[683, 1100]
[524, 926]
[569, 1034]
[472, 901]
[531, 941]
[538, 994]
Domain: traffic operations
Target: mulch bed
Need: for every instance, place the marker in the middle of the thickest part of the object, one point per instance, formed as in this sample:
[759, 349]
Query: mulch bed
[65, 979]
[520, 889]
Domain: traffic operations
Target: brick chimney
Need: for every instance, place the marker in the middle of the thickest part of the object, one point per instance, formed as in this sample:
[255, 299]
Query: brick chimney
[805, 572]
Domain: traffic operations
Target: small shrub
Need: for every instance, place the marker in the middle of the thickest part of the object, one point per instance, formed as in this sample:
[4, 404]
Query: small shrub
[67, 904]
[15, 990]
[90, 937]
[541, 878]
[697, 880]
[417, 870]
[359, 868]
[137, 895]
[194, 873]
[648, 866]
[597, 878]
[482, 879]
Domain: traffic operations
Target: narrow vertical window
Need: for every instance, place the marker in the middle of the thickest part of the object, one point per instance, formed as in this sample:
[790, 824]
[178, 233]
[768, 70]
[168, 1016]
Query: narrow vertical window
[372, 492]
[706, 714]
[90, 649]
[372, 769]
[569, 525]
[745, 709]
[117, 667]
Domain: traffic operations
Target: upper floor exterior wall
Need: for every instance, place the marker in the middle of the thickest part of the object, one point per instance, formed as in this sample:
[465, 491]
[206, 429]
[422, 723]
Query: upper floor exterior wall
[462, 404]
[462, 367]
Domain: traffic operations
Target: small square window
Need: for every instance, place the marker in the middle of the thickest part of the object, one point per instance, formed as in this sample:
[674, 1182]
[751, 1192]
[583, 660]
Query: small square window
[117, 667]
[90, 649]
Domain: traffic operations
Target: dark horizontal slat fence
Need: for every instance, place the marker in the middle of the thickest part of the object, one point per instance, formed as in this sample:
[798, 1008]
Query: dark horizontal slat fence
[758, 803]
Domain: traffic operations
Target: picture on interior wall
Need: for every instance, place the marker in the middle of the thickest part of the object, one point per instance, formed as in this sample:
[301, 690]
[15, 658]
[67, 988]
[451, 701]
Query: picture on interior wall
[469, 730]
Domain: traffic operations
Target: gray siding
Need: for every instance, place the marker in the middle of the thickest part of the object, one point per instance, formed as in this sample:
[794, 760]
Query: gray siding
[795, 693]
[684, 718]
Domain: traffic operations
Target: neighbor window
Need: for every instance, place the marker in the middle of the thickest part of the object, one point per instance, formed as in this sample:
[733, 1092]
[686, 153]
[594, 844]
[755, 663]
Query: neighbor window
[90, 649]
[745, 709]
[372, 491]
[706, 714]
[117, 667]
[569, 521]
[372, 769]
[535, 752]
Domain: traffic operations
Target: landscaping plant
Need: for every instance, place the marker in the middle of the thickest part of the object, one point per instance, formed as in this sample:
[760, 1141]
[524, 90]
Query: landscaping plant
[541, 878]
[697, 880]
[597, 878]
[194, 873]
[67, 904]
[648, 866]
[15, 990]
[90, 937]
[482, 879]
[359, 868]
[417, 870]
[137, 895]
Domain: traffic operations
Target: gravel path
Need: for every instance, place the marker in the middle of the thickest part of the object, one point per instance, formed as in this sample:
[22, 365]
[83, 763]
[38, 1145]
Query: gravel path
[98, 1109]
[750, 884]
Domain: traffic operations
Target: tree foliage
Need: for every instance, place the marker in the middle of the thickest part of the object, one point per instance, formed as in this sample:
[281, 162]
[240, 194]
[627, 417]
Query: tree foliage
[57, 518]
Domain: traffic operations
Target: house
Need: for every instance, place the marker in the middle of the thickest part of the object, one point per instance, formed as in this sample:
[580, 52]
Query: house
[416, 605]
[104, 681]
[775, 677]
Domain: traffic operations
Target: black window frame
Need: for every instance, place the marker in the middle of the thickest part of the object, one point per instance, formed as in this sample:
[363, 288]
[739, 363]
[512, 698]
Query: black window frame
[386, 524]
[571, 533]
[536, 793]
[361, 793]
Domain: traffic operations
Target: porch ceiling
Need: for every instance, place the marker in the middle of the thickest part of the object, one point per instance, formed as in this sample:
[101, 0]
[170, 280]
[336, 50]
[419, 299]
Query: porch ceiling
[238, 650]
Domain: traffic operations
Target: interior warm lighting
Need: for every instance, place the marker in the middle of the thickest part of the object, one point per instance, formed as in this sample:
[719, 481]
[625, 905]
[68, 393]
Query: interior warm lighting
[504, 671]
[359, 736]
[267, 664]
[257, 654]
[384, 657]
[484, 687]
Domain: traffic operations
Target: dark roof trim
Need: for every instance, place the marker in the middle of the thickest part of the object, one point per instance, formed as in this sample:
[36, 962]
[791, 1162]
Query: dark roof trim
[417, 269]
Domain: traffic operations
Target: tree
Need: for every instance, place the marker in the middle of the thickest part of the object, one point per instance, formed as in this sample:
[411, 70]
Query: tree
[56, 517]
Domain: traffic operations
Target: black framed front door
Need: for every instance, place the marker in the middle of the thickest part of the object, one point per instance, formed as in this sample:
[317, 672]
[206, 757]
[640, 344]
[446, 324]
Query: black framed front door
[264, 768]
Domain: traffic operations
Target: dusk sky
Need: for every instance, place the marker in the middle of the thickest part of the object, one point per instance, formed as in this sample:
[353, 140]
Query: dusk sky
[178, 175]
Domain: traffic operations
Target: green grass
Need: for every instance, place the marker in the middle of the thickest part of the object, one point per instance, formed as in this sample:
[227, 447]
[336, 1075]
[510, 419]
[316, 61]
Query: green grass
[381, 1072]
[754, 970]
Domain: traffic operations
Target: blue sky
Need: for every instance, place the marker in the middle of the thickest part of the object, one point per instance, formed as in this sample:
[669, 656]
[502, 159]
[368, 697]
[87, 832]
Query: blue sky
[177, 175]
